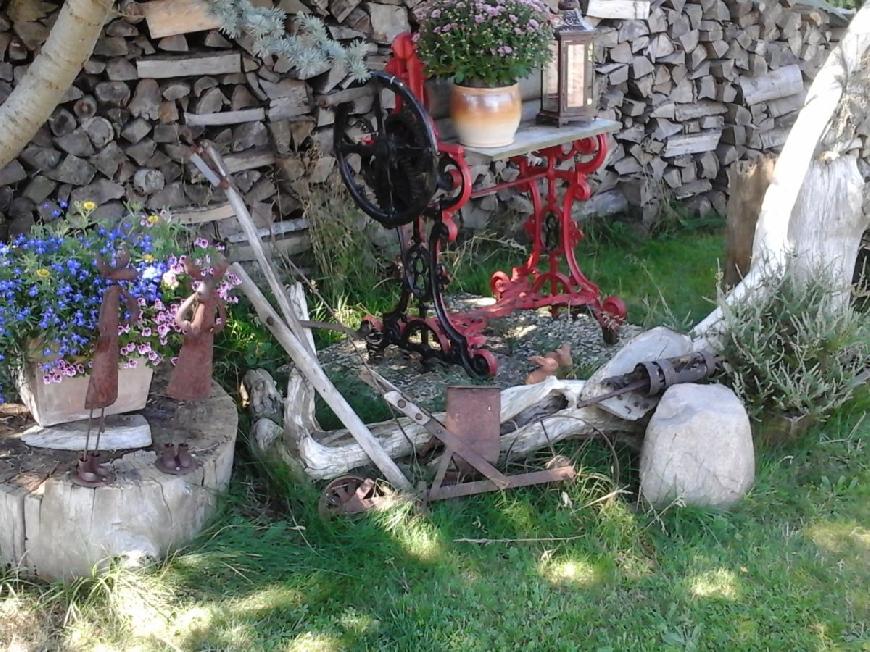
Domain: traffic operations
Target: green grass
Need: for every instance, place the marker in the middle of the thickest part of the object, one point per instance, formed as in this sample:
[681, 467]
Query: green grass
[787, 569]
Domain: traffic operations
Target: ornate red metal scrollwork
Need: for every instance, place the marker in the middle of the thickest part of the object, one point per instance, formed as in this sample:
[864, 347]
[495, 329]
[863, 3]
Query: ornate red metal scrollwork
[395, 159]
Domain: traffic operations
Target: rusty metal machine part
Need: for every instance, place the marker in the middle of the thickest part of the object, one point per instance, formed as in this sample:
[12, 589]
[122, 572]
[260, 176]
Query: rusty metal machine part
[473, 415]
[456, 446]
[653, 377]
[349, 494]
[471, 446]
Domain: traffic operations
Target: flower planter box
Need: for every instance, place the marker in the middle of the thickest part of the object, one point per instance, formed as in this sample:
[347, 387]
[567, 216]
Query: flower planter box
[54, 403]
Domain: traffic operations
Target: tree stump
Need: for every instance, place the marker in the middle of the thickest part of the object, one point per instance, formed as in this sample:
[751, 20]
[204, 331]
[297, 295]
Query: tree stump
[54, 529]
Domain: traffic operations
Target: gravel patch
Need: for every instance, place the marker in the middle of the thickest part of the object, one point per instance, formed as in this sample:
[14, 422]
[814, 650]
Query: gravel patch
[511, 339]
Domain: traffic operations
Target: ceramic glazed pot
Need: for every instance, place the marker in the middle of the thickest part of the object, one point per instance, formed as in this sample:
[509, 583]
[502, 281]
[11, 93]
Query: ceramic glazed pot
[486, 117]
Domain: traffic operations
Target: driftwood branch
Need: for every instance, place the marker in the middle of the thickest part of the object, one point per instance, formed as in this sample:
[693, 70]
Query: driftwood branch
[327, 455]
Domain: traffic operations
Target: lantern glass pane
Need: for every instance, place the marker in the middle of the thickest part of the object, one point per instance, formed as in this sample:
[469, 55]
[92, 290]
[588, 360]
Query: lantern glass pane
[550, 82]
[576, 94]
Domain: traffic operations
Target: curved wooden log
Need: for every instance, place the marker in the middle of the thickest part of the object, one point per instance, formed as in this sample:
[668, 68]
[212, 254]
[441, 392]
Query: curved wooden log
[327, 455]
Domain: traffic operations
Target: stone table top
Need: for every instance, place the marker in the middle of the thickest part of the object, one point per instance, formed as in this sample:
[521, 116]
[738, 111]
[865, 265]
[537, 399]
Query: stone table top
[533, 137]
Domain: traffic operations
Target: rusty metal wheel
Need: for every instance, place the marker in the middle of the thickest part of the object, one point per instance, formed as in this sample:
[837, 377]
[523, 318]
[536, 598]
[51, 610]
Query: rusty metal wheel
[349, 494]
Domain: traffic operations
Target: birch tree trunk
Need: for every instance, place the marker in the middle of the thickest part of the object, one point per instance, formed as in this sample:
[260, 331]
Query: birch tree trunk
[35, 97]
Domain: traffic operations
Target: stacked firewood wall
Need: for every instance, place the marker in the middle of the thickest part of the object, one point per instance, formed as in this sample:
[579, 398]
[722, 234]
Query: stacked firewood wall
[696, 86]
[700, 85]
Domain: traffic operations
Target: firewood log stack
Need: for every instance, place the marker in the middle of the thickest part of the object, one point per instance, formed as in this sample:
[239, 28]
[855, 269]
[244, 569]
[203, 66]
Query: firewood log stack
[699, 85]
[696, 85]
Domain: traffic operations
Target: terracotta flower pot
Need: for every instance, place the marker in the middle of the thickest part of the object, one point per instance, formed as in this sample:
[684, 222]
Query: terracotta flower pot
[486, 117]
[64, 402]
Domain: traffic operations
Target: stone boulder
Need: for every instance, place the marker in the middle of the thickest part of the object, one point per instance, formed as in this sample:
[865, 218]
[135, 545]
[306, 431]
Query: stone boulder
[698, 448]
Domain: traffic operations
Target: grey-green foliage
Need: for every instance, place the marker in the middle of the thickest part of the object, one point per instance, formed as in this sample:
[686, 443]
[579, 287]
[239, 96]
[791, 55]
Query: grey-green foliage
[793, 350]
[310, 50]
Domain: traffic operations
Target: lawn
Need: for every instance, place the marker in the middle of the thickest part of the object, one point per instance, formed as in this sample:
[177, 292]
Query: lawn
[563, 568]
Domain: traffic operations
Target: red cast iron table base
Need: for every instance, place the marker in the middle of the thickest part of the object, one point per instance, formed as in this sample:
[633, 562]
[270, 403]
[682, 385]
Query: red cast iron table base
[549, 278]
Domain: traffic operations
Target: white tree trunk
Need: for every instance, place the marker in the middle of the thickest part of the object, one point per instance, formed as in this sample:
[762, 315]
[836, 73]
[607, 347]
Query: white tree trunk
[69, 45]
[826, 225]
[774, 236]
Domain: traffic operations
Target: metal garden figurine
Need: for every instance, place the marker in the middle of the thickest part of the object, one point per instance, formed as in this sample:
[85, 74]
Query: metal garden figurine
[200, 317]
[103, 382]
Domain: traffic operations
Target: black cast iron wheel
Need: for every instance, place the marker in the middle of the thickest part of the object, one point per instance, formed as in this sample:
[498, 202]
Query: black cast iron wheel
[397, 163]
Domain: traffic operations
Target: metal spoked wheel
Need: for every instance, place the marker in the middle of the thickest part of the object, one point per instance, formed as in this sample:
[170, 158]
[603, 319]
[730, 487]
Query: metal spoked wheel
[391, 167]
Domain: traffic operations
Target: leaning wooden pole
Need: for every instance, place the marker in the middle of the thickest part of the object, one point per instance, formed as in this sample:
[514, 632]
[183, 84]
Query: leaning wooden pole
[309, 366]
[250, 229]
[290, 332]
[771, 246]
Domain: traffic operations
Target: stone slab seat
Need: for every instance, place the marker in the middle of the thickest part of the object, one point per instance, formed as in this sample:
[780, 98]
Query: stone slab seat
[54, 529]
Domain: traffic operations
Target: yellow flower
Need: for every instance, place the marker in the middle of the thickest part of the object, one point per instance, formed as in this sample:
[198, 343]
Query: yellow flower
[88, 205]
[43, 273]
[148, 258]
[152, 219]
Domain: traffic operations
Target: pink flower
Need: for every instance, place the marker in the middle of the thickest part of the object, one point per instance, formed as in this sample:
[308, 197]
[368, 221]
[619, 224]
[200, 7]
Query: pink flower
[144, 349]
[146, 332]
[202, 243]
[173, 361]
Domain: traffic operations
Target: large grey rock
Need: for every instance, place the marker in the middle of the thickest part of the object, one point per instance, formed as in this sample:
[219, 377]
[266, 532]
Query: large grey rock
[660, 342]
[122, 432]
[698, 448]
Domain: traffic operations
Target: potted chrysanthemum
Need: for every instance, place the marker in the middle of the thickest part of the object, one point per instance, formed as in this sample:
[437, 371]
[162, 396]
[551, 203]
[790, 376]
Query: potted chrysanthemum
[51, 291]
[486, 46]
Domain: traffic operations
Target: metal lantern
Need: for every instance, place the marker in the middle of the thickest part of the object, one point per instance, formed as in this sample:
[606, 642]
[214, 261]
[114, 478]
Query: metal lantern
[568, 80]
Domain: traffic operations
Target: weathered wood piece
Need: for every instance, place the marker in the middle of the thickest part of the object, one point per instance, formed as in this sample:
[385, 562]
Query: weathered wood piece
[170, 17]
[747, 184]
[327, 455]
[141, 516]
[161, 67]
[625, 9]
[786, 81]
[224, 117]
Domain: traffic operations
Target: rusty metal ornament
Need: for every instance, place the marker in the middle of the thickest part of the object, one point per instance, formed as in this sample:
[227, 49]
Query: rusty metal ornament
[349, 494]
[192, 376]
[103, 381]
[175, 459]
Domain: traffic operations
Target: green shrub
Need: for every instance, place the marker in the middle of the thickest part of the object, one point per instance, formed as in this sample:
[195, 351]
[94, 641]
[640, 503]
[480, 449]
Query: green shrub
[794, 351]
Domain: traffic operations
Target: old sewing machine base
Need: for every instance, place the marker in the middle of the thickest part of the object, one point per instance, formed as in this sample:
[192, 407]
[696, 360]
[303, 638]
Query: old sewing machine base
[405, 177]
